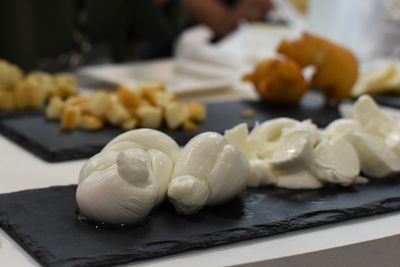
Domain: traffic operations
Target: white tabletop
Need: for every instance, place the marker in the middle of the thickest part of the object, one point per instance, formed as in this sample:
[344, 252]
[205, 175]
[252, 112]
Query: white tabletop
[21, 170]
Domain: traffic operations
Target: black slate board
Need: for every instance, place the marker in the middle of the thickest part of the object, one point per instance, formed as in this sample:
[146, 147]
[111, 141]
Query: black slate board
[44, 223]
[19, 113]
[388, 100]
[46, 140]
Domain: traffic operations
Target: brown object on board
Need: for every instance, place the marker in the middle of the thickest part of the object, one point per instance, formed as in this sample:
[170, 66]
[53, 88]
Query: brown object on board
[278, 80]
[336, 67]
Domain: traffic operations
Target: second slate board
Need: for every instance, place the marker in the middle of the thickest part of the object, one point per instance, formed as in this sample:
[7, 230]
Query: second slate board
[46, 140]
[44, 223]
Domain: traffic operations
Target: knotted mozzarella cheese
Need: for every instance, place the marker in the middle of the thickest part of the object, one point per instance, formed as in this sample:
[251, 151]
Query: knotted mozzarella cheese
[208, 171]
[128, 177]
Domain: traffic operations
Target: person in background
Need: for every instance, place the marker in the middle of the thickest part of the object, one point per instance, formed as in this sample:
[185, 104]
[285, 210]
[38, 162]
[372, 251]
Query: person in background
[223, 16]
[56, 35]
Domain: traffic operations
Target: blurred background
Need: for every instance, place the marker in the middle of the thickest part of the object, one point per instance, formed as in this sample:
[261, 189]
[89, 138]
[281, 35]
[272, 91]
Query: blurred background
[216, 40]
[62, 34]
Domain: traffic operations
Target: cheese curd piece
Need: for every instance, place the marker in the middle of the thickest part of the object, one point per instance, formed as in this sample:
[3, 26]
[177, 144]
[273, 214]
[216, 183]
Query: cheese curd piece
[175, 115]
[340, 127]
[209, 158]
[376, 122]
[271, 130]
[335, 161]
[275, 148]
[260, 173]
[124, 182]
[298, 180]
[293, 153]
[376, 158]
[260, 170]
[238, 136]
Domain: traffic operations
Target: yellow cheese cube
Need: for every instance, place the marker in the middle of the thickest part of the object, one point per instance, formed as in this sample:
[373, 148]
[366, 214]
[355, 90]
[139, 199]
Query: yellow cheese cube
[150, 117]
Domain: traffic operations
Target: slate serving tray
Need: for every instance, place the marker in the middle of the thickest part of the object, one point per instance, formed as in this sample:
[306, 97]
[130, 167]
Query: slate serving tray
[18, 113]
[46, 140]
[44, 222]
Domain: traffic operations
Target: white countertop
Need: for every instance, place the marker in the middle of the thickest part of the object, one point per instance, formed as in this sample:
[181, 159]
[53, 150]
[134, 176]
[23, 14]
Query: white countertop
[21, 170]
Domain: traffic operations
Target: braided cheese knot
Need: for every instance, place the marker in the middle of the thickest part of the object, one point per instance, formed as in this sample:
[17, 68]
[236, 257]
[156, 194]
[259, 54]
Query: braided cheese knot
[130, 176]
[208, 171]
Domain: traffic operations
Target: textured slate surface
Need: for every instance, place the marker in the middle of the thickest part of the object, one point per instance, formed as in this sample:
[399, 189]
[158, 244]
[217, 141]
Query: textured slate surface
[46, 140]
[44, 223]
[18, 113]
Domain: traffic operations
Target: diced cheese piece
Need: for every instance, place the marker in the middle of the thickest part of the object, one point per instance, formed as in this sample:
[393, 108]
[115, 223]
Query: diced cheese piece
[117, 113]
[28, 94]
[79, 100]
[196, 111]
[175, 115]
[131, 99]
[43, 79]
[10, 75]
[65, 85]
[129, 124]
[189, 126]
[7, 100]
[150, 117]
[99, 103]
[54, 108]
[161, 99]
[90, 122]
[71, 117]
[148, 91]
